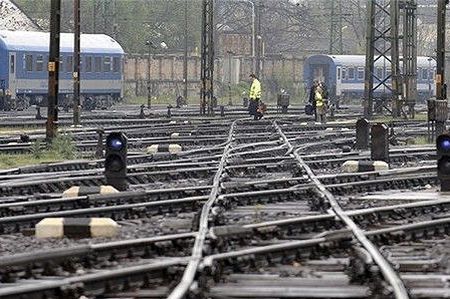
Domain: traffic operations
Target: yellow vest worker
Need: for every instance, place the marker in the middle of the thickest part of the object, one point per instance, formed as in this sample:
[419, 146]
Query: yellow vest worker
[319, 98]
[255, 89]
[255, 96]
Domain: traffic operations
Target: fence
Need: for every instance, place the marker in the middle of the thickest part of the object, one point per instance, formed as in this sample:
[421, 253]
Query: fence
[231, 73]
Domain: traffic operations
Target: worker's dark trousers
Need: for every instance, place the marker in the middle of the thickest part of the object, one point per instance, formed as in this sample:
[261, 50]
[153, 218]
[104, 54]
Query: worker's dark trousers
[253, 107]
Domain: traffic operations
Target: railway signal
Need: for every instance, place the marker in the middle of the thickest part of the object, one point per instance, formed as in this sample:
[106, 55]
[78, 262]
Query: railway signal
[116, 161]
[443, 160]
[362, 134]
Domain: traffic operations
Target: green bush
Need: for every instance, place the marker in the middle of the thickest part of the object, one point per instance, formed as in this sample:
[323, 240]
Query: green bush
[63, 147]
[36, 149]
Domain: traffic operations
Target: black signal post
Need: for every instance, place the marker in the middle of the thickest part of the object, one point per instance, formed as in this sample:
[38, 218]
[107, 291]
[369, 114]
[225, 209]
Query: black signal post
[53, 69]
[443, 160]
[362, 134]
[116, 161]
[76, 63]
[379, 143]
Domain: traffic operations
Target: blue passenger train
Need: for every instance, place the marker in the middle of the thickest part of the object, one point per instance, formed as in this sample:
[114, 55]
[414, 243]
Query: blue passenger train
[24, 75]
[344, 75]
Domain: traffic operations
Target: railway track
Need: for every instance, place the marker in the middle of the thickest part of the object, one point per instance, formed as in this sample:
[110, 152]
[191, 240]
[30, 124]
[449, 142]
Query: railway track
[245, 211]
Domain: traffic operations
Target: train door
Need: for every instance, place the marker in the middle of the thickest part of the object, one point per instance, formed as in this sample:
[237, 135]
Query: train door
[320, 73]
[12, 74]
[338, 81]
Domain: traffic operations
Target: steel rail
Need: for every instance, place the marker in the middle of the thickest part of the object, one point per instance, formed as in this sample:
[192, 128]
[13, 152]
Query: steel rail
[66, 253]
[103, 209]
[352, 213]
[197, 251]
[326, 237]
[140, 195]
[89, 279]
[389, 273]
[207, 261]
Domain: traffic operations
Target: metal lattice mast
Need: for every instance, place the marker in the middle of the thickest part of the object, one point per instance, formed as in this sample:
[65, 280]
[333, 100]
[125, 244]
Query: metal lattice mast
[381, 49]
[336, 45]
[410, 54]
[378, 49]
[396, 72]
[391, 42]
[207, 58]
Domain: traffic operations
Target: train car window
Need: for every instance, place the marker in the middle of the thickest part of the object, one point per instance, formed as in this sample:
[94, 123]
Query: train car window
[351, 73]
[88, 65]
[344, 73]
[69, 63]
[425, 74]
[339, 73]
[61, 64]
[106, 64]
[98, 64]
[12, 66]
[29, 62]
[39, 63]
[360, 73]
[116, 64]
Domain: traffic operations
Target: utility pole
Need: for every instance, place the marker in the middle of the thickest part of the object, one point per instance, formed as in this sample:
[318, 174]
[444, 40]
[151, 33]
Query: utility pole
[440, 51]
[115, 24]
[441, 86]
[230, 101]
[76, 63]
[370, 65]
[53, 69]
[94, 16]
[105, 13]
[185, 61]
[207, 57]
[106, 20]
[149, 87]
[259, 42]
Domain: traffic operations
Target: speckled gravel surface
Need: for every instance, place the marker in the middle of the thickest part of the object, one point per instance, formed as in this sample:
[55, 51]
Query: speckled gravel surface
[172, 184]
[268, 212]
[386, 198]
[130, 229]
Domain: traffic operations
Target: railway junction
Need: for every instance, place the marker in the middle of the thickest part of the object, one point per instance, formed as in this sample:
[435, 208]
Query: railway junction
[183, 200]
[241, 209]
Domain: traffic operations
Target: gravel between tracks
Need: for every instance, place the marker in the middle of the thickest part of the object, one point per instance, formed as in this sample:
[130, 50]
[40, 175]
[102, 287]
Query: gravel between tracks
[130, 229]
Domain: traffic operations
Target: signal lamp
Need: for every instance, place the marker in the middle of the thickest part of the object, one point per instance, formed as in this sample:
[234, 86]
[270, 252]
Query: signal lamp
[116, 161]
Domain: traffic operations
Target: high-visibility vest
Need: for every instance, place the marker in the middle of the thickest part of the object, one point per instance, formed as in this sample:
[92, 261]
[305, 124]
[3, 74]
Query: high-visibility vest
[319, 99]
[255, 90]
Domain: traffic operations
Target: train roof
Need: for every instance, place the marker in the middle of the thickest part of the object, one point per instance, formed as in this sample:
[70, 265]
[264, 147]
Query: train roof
[39, 41]
[360, 60]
